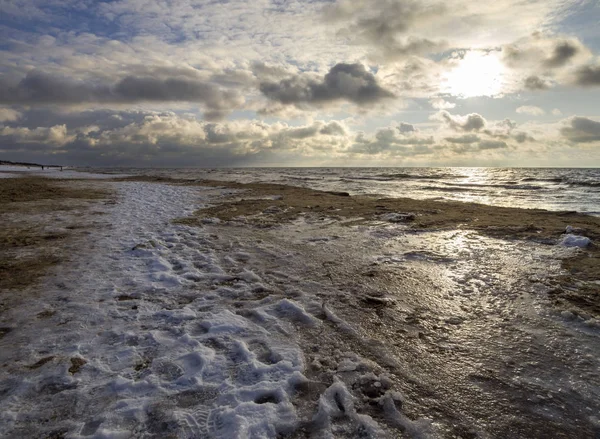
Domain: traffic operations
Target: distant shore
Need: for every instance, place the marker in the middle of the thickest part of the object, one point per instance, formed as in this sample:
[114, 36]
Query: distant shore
[29, 165]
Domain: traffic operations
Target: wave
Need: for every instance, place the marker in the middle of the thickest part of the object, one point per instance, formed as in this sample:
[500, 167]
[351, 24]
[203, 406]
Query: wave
[546, 180]
[564, 180]
[451, 189]
[293, 177]
[508, 185]
[402, 176]
[585, 183]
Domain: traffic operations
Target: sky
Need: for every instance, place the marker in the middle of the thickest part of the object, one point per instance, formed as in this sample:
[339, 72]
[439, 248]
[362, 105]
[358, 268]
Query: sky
[215, 83]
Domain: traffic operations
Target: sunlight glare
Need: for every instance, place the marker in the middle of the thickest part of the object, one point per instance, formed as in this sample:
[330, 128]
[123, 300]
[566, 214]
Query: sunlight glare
[476, 74]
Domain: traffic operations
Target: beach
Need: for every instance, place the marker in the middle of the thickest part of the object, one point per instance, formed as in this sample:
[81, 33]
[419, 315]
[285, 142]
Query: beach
[154, 306]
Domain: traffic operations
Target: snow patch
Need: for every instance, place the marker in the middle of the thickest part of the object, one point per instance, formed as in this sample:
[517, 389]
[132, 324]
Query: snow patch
[398, 217]
[571, 240]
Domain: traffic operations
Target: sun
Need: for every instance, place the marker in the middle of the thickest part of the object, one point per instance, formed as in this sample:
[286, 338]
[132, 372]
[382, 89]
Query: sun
[478, 73]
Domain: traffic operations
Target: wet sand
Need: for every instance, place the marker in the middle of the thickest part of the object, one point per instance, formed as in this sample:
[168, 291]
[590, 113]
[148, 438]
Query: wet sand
[468, 362]
[29, 244]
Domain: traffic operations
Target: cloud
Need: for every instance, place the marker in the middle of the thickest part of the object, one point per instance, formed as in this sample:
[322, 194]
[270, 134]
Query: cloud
[333, 129]
[504, 130]
[464, 139]
[405, 128]
[318, 128]
[39, 88]
[55, 135]
[581, 130]
[545, 60]
[522, 137]
[492, 144]
[588, 76]
[441, 104]
[152, 138]
[414, 77]
[384, 25]
[166, 138]
[9, 115]
[534, 82]
[470, 122]
[396, 29]
[530, 110]
[393, 143]
[348, 82]
[134, 89]
[544, 52]
[556, 112]
[389, 141]
[563, 52]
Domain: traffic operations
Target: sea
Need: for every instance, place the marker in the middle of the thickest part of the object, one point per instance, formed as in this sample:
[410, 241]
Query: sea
[555, 189]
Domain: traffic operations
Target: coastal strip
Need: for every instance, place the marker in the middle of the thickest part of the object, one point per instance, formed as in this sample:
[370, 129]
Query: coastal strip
[214, 309]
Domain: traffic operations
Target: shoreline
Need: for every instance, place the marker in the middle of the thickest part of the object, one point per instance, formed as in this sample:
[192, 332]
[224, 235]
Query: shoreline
[284, 203]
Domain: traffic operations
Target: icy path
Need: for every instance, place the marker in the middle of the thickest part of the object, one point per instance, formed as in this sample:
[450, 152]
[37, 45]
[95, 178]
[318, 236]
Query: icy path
[162, 330]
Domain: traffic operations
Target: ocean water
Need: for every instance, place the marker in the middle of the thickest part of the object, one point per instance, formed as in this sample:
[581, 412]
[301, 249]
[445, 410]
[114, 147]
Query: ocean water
[557, 189]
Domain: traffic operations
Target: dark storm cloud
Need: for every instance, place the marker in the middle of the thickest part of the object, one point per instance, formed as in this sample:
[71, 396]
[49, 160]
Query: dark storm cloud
[41, 88]
[588, 76]
[536, 83]
[582, 130]
[349, 82]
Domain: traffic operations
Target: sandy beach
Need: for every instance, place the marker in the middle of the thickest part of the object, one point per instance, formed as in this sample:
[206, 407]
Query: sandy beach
[153, 307]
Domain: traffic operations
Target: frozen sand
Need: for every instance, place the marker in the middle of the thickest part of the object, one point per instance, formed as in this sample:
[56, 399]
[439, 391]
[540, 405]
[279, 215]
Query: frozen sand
[234, 330]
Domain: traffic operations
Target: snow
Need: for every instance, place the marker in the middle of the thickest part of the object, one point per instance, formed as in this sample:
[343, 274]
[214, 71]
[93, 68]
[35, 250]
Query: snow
[571, 240]
[397, 217]
[151, 325]
[338, 402]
